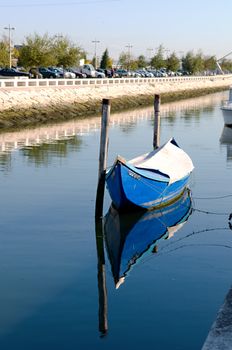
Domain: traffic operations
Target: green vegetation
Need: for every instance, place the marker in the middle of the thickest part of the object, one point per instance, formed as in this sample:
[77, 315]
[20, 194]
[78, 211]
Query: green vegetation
[106, 61]
[191, 62]
[58, 50]
[36, 51]
[43, 51]
[172, 62]
[158, 60]
[4, 53]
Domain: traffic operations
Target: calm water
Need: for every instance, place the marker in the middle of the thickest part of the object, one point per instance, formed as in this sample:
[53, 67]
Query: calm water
[49, 296]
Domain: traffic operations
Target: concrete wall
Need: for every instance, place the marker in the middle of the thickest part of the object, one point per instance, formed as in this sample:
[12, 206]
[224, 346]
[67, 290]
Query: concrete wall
[23, 104]
[31, 96]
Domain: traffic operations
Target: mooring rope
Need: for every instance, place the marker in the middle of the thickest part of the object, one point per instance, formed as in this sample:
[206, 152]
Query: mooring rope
[164, 250]
[216, 197]
[213, 212]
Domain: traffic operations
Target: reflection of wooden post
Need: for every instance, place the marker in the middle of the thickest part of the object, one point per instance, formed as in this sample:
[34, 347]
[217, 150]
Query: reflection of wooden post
[156, 136]
[102, 291]
[102, 157]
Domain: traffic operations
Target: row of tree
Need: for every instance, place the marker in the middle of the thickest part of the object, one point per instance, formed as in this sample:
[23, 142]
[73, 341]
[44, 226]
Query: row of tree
[193, 63]
[43, 51]
[59, 50]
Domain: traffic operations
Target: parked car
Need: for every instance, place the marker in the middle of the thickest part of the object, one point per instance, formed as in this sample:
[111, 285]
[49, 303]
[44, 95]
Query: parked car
[58, 71]
[34, 72]
[12, 72]
[109, 73]
[48, 73]
[91, 72]
[99, 73]
[77, 73]
[67, 74]
[120, 73]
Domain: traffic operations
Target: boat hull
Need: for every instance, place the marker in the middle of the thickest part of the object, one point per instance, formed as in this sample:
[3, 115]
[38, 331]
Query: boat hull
[131, 188]
[227, 115]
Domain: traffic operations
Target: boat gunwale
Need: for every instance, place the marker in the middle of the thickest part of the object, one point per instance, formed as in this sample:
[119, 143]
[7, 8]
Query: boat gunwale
[123, 162]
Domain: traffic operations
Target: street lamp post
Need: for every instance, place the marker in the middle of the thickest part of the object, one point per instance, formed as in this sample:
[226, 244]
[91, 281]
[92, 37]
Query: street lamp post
[129, 47]
[95, 51]
[9, 28]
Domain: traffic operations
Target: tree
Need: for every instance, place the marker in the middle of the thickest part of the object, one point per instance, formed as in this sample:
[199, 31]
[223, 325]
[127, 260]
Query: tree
[37, 51]
[124, 60]
[199, 63]
[66, 53]
[94, 62]
[127, 61]
[173, 62]
[158, 60]
[49, 51]
[226, 65]
[210, 63]
[193, 63]
[106, 62]
[4, 53]
[188, 62]
[141, 62]
[133, 64]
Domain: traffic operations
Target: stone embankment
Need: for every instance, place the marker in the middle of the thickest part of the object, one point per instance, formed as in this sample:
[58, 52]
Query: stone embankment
[22, 106]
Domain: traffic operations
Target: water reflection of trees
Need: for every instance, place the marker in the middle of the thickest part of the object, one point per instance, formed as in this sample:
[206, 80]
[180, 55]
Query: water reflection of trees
[43, 154]
[128, 127]
[196, 112]
[187, 114]
[40, 144]
[5, 162]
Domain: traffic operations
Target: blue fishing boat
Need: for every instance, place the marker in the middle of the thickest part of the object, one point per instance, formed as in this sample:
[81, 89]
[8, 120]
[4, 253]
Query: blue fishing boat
[150, 180]
[131, 237]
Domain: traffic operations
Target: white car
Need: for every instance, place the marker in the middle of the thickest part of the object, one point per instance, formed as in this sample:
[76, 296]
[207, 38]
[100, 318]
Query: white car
[99, 74]
[91, 72]
[63, 73]
[69, 75]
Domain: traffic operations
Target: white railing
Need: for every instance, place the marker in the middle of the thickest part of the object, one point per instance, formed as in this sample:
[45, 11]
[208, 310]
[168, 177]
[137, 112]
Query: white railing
[35, 83]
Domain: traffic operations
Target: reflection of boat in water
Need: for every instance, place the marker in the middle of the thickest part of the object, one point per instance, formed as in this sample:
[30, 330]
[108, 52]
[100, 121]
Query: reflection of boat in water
[226, 139]
[227, 109]
[129, 236]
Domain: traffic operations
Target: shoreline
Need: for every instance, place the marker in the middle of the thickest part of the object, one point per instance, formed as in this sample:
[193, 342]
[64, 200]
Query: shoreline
[33, 107]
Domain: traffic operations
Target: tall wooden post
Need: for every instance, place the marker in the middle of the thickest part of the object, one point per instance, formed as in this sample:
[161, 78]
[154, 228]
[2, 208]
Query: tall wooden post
[156, 136]
[102, 157]
[101, 277]
[103, 153]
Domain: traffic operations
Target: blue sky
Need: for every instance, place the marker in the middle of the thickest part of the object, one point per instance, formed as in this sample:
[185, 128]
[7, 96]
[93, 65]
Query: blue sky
[179, 25]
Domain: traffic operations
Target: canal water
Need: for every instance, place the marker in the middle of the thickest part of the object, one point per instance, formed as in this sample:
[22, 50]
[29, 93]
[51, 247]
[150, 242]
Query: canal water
[57, 288]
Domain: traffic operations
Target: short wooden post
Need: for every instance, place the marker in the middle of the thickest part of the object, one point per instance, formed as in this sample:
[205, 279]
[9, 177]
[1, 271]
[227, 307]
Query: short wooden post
[156, 136]
[102, 157]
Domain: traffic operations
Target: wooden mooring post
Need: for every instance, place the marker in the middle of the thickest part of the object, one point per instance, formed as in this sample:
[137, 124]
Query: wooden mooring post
[103, 153]
[101, 277]
[102, 157]
[156, 135]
